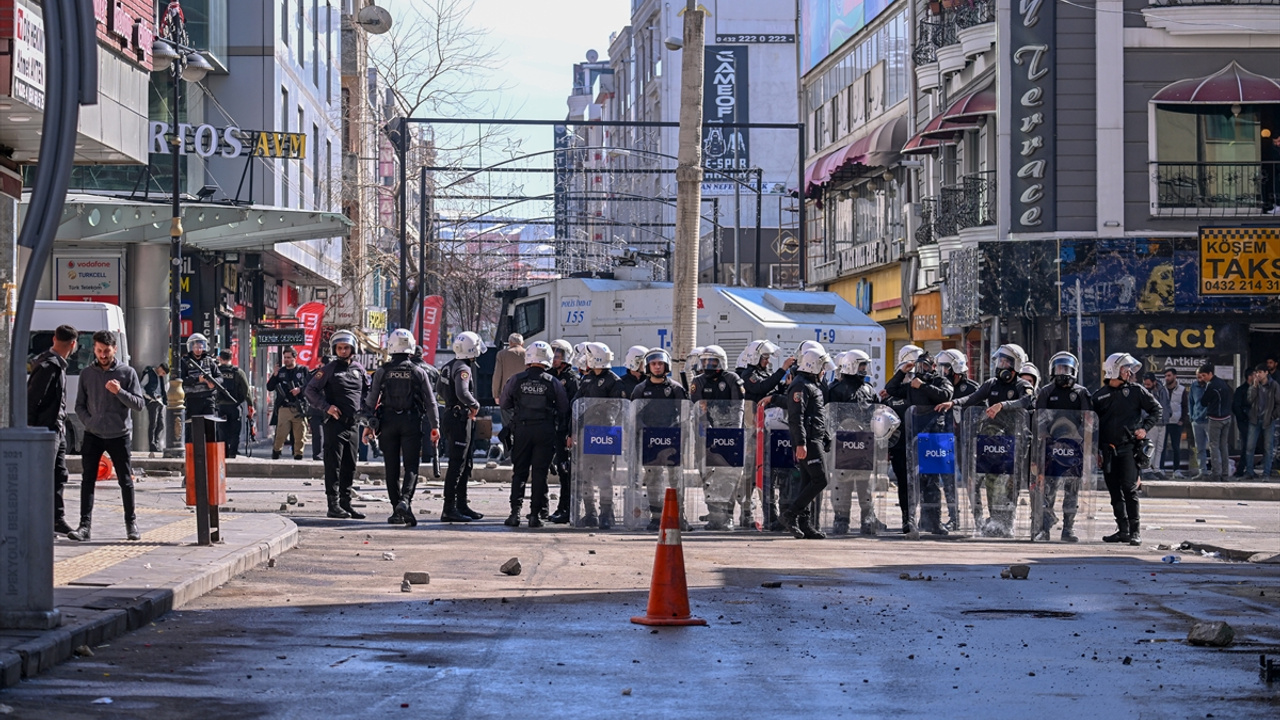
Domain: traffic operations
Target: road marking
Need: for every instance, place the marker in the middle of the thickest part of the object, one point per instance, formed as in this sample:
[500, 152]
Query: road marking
[72, 569]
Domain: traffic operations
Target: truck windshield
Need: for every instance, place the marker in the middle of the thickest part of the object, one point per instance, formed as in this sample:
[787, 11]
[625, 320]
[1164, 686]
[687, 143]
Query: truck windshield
[42, 340]
[531, 317]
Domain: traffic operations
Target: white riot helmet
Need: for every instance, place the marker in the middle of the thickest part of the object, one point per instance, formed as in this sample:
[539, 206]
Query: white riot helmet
[538, 353]
[909, 354]
[1063, 368]
[197, 341]
[757, 350]
[1033, 371]
[660, 355]
[1006, 360]
[1117, 362]
[342, 337]
[885, 423]
[580, 356]
[815, 361]
[597, 356]
[714, 354]
[809, 345]
[468, 345]
[742, 360]
[693, 362]
[956, 359]
[563, 351]
[635, 358]
[854, 362]
[400, 341]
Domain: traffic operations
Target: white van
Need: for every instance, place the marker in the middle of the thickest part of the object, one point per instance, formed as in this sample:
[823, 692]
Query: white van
[87, 318]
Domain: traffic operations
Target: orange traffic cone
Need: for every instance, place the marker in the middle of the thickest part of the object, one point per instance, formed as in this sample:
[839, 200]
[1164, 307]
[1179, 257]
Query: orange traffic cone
[668, 593]
[106, 470]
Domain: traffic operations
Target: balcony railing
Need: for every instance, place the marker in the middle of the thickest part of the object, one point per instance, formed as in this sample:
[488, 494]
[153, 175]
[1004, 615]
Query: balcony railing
[1216, 188]
[942, 30]
[967, 204]
[928, 212]
[1179, 3]
[978, 201]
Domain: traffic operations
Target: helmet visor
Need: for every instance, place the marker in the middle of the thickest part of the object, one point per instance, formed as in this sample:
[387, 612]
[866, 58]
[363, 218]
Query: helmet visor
[1064, 367]
[1005, 362]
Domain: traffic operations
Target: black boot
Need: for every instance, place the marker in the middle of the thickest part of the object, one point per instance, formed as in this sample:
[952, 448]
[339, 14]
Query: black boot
[461, 505]
[81, 533]
[513, 520]
[841, 525]
[606, 517]
[655, 518]
[450, 514]
[535, 517]
[404, 508]
[60, 526]
[336, 512]
[1068, 528]
[275, 454]
[789, 524]
[131, 530]
[807, 529]
[1135, 532]
[345, 504]
[560, 516]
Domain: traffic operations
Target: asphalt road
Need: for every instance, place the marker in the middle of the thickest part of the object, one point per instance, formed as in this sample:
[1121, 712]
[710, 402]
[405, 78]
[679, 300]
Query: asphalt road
[327, 631]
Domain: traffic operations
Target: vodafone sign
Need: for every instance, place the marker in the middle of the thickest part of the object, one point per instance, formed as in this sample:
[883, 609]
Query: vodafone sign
[87, 279]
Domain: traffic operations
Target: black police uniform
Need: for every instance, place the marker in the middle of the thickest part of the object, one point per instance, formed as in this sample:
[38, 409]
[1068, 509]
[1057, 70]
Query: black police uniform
[563, 463]
[200, 398]
[628, 382]
[962, 386]
[658, 415]
[934, 390]
[597, 470]
[457, 391]
[1002, 492]
[153, 392]
[1054, 397]
[807, 422]
[540, 408]
[400, 399]
[236, 383]
[341, 384]
[1120, 412]
[430, 449]
[283, 383]
[47, 408]
[715, 385]
[758, 383]
[852, 389]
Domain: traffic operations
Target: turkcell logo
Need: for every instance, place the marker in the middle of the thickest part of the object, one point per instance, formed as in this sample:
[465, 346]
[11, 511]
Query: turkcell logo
[995, 454]
[854, 451]
[1063, 457]
[936, 453]
[660, 446]
[725, 447]
[781, 456]
[602, 440]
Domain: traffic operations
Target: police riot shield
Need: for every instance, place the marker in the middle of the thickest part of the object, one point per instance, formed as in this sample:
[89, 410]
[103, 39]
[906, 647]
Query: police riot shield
[931, 463]
[725, 458]
[1064, 455]
[781, 475]
[995, 452]
[858, 467]
[662, 453]
[602, 454]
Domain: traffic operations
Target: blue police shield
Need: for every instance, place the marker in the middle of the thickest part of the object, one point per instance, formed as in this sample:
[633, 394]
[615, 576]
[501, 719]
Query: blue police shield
[660, 446]
[603, 452]
[1063, 472]
[602, 440]
[931, 467]
[994, 468]
[664, 457]
[996, 454]
[724, 447]
[858, 468]
[726, 439]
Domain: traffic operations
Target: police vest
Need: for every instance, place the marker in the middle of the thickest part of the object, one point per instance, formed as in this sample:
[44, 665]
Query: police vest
[399, 385]
[535, 398]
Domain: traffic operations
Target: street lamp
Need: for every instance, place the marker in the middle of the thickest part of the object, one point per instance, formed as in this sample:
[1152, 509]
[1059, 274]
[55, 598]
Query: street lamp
[172, 51]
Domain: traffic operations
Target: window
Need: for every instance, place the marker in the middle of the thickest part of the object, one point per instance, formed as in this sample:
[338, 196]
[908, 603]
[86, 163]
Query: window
[315, 43]
[302, 38]
[315, 167]
[285, 166]
[42, 340]
[328, 176]
[284, 21]
[1215, 159]
[531, 318]
[328, 54]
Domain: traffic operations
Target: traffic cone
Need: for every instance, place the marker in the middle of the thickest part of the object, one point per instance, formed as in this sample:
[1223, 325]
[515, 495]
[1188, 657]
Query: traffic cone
[106, 470]
[668, 593]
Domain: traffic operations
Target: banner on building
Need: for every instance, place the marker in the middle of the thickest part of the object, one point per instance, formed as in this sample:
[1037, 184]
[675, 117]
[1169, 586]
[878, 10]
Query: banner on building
[1034, 123]
[88, 279]
[310, 317]
[1239, 261]
[725, 101]
[432, 311]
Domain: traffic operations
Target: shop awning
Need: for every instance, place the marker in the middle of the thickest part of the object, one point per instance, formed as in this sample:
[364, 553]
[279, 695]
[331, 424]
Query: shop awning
[208, 226]
[940, 127]
[874, 149]
[1232, 85]
[973, 106]
[920, 145]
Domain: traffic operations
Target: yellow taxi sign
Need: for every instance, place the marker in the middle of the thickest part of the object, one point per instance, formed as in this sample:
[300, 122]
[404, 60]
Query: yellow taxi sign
[1239, 261]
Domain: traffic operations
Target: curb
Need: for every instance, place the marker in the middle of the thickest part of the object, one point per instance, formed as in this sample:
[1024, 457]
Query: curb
[1260, 492]
[98, 622]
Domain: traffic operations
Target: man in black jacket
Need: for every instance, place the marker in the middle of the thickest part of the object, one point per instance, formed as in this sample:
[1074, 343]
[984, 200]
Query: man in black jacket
[806, 420]
[1120, 404]
[562, 369]
[153, 389]
[667, 415]
[916, 384]
[338, 390]
[1065, 394]
[47, 408]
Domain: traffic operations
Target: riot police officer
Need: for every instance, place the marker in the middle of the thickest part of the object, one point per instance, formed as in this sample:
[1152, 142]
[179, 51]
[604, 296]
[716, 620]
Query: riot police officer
[400, 399]
[457, 391]
[917, 384]
[562, 369]
[599, 382]
[954, 366]
[659, 386]
[1031, 374]
[1120, 404]
[711, 385]
[809, 439]
[1063, 393]
[288, 384]
[634, 364]
[199, 371]
[758, 381]
[540, 406]
[853, 386]
[338, 390]
[1006, 390]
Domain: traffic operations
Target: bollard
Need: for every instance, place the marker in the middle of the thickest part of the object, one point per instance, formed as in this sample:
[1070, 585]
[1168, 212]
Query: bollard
[26, 529]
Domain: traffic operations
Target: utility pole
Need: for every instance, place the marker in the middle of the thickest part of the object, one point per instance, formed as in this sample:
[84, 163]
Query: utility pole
[684, 326]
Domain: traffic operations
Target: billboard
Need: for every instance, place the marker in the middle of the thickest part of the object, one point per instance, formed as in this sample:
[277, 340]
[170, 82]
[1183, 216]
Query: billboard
[825, 25]
[725, 100]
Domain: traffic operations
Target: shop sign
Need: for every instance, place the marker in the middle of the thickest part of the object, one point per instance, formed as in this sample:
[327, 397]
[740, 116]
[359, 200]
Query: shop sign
[1034, 112]
[926, 319]
[1175, 338]
[1239, 261]
[26, 82]
[281, 336]
[375, 319]
[88, 279]
[228, 142]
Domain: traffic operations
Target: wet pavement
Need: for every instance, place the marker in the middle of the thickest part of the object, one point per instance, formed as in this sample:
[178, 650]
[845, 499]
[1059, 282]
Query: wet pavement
[327, 630]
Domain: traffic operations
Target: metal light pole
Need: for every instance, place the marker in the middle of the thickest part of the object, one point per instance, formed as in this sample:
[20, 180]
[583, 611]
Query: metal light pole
[684, 326]
[173, 48]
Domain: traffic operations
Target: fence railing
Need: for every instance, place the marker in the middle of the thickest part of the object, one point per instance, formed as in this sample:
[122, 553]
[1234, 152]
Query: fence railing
[1216, 188]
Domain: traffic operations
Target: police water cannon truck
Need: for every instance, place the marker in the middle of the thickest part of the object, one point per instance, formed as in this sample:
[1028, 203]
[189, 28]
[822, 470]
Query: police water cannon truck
[622, 313]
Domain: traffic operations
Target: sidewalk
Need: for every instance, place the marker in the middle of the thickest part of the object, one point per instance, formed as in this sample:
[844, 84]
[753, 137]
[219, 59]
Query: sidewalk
[107, 586]
[261, 466]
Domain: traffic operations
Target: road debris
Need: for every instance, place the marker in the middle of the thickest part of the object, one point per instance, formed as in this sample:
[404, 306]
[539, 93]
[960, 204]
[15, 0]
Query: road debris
[84, 651]
[406, 586]
[1212, 634]
[388, 555]
[771, 584]
[1016, 572]
[102, 701]
[292, 499]
[271, 562]
[1171, 559]
[511, 567]
[921, 576]
[417, 577]
[1218, 552]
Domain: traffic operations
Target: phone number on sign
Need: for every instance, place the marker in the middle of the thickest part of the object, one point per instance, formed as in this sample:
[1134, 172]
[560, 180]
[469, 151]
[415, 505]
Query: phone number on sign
[1241, 286]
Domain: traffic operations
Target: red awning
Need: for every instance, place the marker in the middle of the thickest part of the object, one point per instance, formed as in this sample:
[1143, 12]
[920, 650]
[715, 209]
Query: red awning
[873, 149]
[972, 106]
[941, 127]
[1232, 85]
[920, 145]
